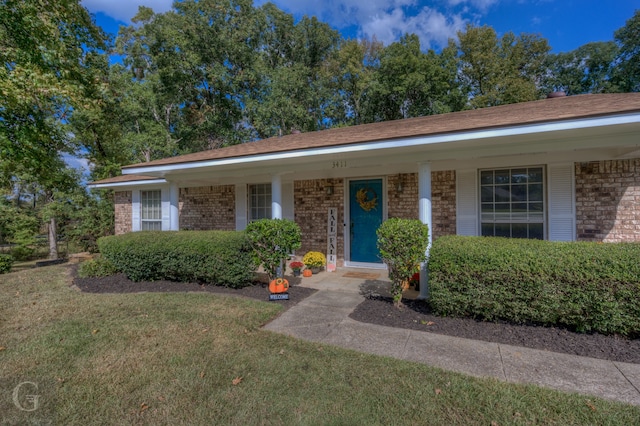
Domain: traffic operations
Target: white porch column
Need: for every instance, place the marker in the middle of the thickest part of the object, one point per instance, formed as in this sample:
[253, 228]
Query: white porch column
[174, 212]
[424, 193]
[276, 197]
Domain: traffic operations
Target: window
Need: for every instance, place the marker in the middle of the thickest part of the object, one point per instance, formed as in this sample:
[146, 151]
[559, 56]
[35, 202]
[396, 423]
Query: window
[512, 202]
[151, 214]
[259, 201]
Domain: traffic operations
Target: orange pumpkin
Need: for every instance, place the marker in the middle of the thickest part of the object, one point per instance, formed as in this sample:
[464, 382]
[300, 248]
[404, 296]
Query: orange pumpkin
[279, 285]
[307, 273]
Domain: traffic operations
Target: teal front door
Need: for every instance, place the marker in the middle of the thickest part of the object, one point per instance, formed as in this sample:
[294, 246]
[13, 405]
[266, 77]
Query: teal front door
[365, 216]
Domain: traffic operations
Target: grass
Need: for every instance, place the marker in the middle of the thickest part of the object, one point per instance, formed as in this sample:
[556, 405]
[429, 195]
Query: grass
[202, 359]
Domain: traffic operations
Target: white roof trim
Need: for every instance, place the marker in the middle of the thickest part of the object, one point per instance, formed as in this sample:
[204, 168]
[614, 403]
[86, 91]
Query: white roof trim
[129, 184]
[573, 124]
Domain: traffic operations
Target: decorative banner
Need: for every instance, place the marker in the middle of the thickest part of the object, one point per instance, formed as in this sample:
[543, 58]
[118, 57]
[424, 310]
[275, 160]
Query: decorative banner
[332, 239]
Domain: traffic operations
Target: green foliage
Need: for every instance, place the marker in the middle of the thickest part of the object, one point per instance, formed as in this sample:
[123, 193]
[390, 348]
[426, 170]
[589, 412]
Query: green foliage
[588, 69]
[628, 64]
[215, 257]
[585, 286]
[23, 252]
[97, 267]
[497, 71]
[403, 244]
[273, 240]
[6, 260]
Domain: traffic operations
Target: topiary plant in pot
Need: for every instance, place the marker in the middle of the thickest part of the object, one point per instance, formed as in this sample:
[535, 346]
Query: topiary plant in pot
[403, 244]
[273, 240]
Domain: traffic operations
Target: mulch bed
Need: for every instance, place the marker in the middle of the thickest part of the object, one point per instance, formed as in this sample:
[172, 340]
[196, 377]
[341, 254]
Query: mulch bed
[415, 315]
[119, 283]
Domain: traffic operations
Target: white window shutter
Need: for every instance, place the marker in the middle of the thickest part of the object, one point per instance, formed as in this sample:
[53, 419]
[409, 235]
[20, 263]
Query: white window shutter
[561, 196]
[287, 200]
[241, 207]
[467, 202]
[135, 210]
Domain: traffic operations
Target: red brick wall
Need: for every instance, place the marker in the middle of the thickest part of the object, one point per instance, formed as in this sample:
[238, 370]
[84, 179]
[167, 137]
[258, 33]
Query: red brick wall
[608, 201]
[122, 201]
[443, 200]
[207, 208]
[311, 210]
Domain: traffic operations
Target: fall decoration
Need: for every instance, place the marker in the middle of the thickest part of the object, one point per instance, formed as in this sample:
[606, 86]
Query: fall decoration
[279, 285]
[307, 273]
[367, 198]
[314, 259]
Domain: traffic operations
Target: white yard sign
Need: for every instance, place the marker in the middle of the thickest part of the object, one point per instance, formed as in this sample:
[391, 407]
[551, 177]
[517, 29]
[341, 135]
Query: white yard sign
[332, 240]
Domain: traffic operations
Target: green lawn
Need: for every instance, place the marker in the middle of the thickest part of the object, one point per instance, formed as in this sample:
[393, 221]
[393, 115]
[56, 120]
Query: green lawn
[203, 359]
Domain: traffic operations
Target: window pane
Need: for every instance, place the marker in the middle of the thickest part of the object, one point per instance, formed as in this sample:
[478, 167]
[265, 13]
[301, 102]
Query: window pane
[519, 176]
[503, 230]
[536, 231]
[519, 192]
[487, 230]
[486, 177]
[535, 192]
[503, 194]
[486, 194]
[519, 208]
[503, 176]
[519, 230]
[535, 175]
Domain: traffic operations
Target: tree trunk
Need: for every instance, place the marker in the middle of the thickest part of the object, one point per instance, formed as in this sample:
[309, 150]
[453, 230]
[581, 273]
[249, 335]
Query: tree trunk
[53, 239]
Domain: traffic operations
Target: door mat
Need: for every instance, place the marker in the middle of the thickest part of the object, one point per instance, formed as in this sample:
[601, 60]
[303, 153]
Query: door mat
[361, 275]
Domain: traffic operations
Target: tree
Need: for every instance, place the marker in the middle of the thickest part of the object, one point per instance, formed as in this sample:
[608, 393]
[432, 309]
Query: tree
[588, 69]
[501, 71]
[46, 54]
[628, 40]
[351, 72]
[47, 51]
[411, 83]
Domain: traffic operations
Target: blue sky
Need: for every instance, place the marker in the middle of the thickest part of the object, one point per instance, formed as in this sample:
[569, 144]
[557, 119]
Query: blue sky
[567, 24]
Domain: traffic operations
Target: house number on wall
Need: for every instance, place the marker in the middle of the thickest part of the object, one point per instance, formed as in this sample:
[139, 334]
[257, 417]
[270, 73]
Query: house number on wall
[339, 164]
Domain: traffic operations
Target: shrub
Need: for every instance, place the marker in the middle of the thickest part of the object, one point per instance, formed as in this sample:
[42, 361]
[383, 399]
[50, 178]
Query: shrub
[216, 257]
[98, 267]
[22, 252]
[273, 240]
[584, 286]
[403, 244]
[314, 259]
[6, 260]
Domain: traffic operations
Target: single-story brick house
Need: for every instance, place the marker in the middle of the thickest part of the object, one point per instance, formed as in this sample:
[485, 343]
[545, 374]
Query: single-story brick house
[563, 168]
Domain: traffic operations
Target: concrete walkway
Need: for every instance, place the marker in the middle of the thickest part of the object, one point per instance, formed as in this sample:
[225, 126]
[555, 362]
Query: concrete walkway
[324, 317]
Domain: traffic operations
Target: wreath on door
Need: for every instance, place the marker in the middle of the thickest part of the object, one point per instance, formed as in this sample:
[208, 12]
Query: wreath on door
[367, 199]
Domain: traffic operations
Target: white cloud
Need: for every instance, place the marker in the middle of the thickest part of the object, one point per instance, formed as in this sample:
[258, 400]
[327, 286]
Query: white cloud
[124, 10]
[388, 20]
[432, 27]
[480, 4]
[81, 164]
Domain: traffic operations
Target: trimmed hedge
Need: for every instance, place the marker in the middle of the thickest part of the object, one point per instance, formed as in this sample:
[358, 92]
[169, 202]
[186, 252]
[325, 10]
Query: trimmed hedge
[6, 260]
[215, 257]
[584, 286]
